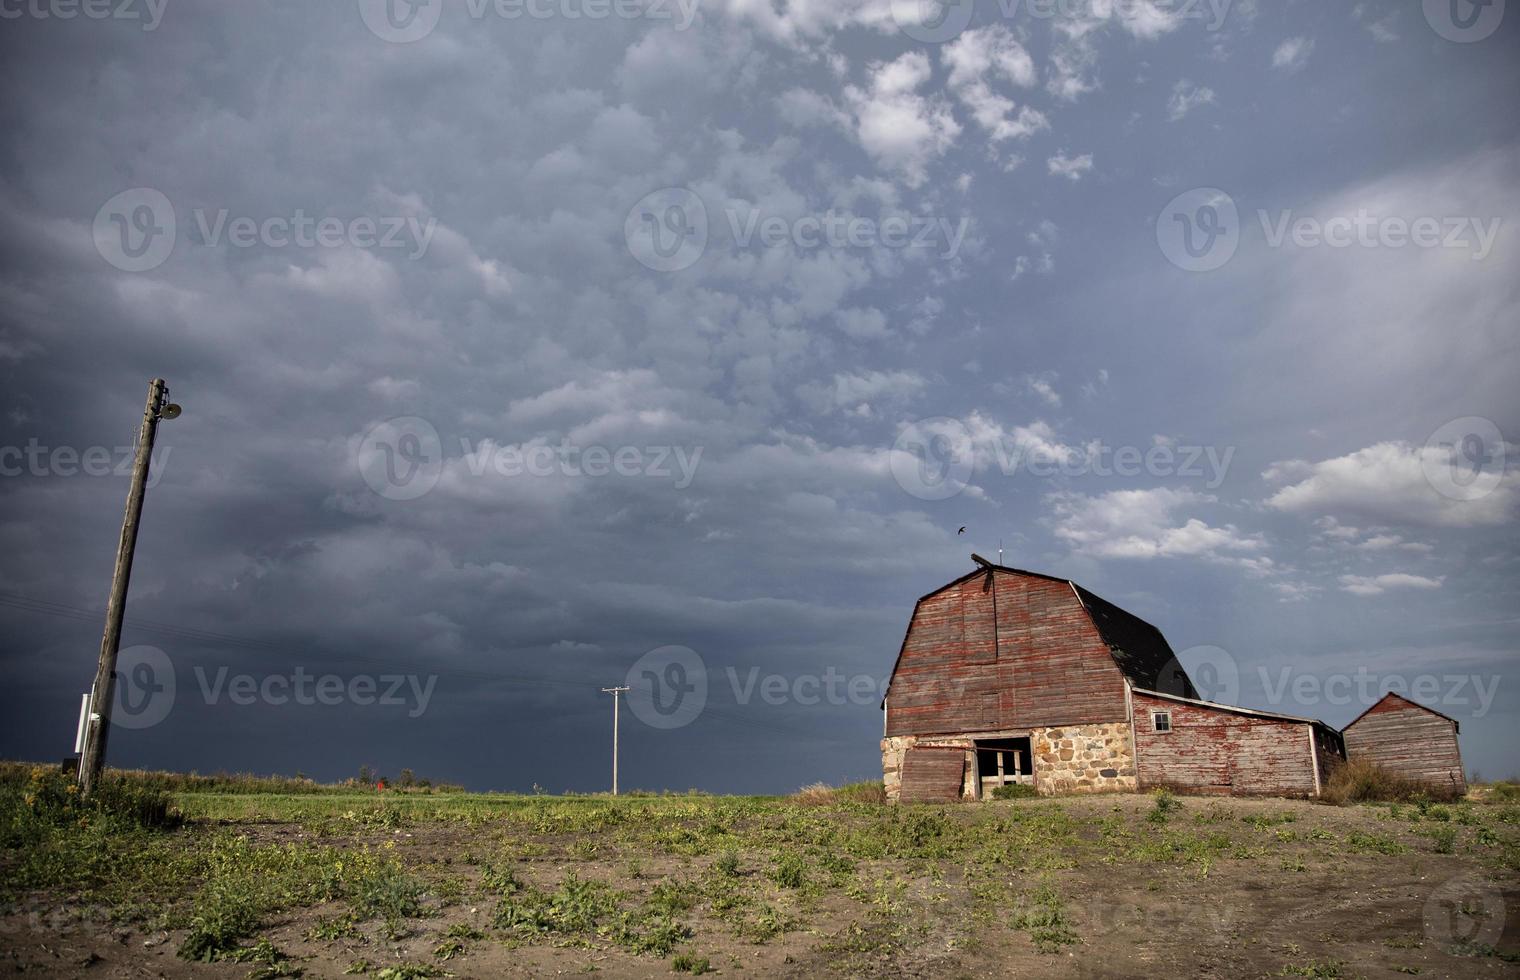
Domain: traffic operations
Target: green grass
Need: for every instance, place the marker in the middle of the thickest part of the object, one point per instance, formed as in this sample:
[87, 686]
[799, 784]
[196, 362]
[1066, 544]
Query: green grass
[1043, 915]
[219, 867]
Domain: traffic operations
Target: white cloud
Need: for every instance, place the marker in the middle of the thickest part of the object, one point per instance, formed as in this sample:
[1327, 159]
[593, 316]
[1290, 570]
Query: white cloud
[976, 59]
[1145, 524]
[1042, 387]
[1072, 168]
[860, 394]
[1389, 483]
[1186, 97]
[1292, 55]
[1378, 584]
[900, 129]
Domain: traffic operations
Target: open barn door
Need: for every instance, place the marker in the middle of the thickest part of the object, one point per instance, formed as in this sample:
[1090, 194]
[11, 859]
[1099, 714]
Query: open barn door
[933, 773]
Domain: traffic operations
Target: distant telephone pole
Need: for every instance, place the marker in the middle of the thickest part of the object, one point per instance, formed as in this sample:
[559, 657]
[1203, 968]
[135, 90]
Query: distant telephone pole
[97, 724]
[614, 691]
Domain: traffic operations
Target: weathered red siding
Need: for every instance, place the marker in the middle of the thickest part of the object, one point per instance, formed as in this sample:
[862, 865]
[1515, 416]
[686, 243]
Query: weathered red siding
[1211, 750]
[1023, 654]
[1409, 740]
[933, 773]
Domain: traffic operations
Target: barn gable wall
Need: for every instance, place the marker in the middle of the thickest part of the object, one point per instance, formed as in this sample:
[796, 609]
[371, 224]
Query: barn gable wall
[1210, 750]
[1022, 655]
[1410, 741]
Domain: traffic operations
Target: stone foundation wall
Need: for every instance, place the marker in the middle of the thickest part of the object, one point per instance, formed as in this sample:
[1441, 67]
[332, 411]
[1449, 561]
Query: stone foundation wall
[1084, 759]
[1070, 759]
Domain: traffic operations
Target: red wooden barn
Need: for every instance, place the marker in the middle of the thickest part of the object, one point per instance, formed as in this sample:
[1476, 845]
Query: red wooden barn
[1410, 740]
[1007, 676]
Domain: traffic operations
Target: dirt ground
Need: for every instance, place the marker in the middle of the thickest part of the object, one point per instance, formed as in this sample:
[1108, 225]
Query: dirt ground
[1222, 888]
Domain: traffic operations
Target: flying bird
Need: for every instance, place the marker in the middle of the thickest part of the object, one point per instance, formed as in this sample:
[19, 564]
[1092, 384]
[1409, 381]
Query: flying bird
[962, 530]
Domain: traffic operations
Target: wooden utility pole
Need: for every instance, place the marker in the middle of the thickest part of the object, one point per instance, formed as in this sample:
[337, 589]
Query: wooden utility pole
[614, 691]
[98, 724]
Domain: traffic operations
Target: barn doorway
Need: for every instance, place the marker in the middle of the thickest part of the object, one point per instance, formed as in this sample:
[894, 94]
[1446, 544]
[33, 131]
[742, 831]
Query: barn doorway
[1003, 762]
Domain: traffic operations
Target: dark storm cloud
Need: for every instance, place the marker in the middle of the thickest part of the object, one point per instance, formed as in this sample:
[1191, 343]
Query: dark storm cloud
[511, 314]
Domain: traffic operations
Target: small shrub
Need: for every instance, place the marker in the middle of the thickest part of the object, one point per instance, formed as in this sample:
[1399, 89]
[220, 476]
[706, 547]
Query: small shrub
[1360, 781]
[223, 916]
[1015, 791]
[1043, 915]
[1444, 838]
[695, 965]
[388, 893]
[1166, 804]
[727, 863]
[789, 870]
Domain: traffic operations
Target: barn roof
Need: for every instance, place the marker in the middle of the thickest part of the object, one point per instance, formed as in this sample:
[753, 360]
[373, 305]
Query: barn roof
[1422, 707]
[1236, 709]
[1138, 648]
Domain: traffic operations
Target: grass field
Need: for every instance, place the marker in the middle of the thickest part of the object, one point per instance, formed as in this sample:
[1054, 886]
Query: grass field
[162, 876]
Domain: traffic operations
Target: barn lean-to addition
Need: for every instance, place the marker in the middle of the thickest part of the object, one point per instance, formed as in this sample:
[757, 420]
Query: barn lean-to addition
[1409, 739]
[1008, 676]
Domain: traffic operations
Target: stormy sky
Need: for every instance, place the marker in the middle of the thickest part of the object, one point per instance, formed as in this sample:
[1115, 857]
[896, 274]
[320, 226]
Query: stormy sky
[532, 348]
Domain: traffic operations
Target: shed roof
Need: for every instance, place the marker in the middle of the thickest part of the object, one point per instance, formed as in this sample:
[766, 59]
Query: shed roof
[1457, 724]
[1235, 709]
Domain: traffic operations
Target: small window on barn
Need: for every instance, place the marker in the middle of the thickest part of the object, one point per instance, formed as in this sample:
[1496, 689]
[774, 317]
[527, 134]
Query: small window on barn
[1161, 721]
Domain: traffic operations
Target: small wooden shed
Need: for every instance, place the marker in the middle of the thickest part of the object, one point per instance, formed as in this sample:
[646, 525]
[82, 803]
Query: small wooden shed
[1411, 740]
